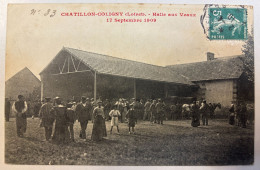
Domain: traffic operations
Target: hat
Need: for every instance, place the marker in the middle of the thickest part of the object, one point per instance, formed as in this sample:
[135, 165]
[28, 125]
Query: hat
[99, 101]
[47, 99]
[20, 96]
[159, 100]
[69, 104]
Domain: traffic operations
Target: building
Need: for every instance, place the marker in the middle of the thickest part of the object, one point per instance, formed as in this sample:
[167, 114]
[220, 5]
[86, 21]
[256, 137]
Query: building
[25, 83]
[73, 73]
[220, 80]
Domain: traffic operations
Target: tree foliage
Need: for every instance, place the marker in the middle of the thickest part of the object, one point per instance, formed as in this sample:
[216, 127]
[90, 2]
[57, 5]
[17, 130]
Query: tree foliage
[248, 50]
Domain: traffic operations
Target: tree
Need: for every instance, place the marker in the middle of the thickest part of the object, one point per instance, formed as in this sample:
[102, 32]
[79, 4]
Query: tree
[248, 50]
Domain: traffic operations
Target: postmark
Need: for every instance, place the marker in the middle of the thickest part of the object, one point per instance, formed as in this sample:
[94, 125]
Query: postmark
[227, 23]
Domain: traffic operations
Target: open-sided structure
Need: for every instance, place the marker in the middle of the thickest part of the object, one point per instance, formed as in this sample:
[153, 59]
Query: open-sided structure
[73, 73]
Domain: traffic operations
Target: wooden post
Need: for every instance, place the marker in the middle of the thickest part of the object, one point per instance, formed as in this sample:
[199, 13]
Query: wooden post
[95, 86]
[41, 89]
[165, 90]
[134, 89]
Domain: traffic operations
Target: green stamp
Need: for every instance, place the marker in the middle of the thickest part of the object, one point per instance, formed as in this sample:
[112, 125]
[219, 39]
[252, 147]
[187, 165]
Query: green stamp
[227, 23]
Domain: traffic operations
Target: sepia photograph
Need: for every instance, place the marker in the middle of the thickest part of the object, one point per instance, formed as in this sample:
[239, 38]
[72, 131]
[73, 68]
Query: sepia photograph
[129, 85]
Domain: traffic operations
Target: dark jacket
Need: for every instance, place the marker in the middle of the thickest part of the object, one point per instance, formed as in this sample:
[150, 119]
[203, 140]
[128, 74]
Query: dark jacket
[83, 113]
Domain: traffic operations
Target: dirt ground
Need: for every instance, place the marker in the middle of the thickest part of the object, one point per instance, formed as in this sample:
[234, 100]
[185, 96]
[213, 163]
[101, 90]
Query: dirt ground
[174, 143]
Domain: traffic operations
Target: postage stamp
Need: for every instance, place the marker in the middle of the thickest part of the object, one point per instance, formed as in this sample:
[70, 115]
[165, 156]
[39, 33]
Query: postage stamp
[227, 23]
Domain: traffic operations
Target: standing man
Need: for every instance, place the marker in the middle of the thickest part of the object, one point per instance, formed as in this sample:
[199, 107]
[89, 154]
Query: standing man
[47, 118]
[232, 114]
[160, 111]
[211, 110]
[194, 108]
[107, 109]
[243, 114]
[19, 108]
[147, 110]
[37, 108]
[7, 109]
[204, 110]
[83, 113]
[71, 117]
[173, 111]
[153, 112]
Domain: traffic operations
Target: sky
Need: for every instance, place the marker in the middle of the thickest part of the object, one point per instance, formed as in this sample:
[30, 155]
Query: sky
[33, 40]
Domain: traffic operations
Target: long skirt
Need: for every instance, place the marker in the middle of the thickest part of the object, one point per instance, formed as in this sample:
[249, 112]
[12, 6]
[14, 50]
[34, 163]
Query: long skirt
[99, 129]
[195, 122]
[61, 133]
[232, 119]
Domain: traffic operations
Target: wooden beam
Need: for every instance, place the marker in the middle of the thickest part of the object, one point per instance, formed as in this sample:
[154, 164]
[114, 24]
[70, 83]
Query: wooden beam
[78, 64]
[134, 89]
[73, 72]
[63, 65]
[73, 63]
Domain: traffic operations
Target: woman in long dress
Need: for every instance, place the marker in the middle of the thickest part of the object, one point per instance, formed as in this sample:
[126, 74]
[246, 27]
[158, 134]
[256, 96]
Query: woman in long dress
[61, 132]
[195, 121]
[99, 126]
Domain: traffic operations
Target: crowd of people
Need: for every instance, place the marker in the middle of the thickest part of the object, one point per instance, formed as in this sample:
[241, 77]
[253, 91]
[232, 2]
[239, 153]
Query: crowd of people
[63, 115]
[238, 114]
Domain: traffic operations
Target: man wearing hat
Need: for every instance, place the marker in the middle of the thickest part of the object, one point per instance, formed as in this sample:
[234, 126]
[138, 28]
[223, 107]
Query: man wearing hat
[160, 111]
[153, 112]
[147, 110]
[205, 112]
[71, 117]
[47, 118]
[7, 109]
[132, 119]
[19, 108]
[83, 114]
[195, 122]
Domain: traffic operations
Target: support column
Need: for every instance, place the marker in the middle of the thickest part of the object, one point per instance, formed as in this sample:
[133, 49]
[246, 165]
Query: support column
[165, 90]
[134, 89]
[41, 89]
[95, 86]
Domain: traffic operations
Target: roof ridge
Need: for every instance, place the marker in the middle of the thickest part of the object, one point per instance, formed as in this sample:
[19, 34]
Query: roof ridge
[25, 68]
[116, 57]
[215, 60]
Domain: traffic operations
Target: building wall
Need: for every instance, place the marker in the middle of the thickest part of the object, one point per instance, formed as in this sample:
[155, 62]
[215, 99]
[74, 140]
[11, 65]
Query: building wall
[74, 85]
[112, 87]
[68, 86]
[24, 84]
[219, 91]
[149, 89]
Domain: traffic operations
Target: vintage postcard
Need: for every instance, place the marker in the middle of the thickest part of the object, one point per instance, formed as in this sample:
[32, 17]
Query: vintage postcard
[129, 85]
